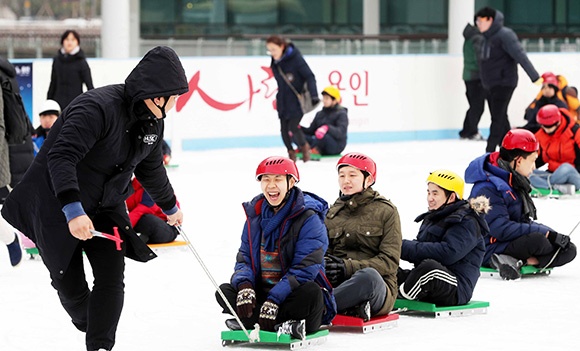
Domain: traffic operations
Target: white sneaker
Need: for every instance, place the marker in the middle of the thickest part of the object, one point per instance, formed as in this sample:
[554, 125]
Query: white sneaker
[565, 189]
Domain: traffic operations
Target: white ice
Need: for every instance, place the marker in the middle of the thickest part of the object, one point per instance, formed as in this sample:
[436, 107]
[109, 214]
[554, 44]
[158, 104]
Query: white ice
[170, 304]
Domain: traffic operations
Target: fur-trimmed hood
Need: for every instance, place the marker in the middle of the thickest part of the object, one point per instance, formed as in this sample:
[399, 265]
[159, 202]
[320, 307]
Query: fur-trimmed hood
[480, 204]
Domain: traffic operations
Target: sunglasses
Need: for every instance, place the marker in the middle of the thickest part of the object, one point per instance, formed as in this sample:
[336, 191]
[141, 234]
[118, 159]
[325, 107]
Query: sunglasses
[550, 126]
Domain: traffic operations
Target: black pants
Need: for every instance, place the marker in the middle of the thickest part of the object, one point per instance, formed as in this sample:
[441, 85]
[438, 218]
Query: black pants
[154, 230]
[95, 312]
[304, 302]
[538, 246]
[429, 281]
[476, 98]
[499, 100]
[291, 125]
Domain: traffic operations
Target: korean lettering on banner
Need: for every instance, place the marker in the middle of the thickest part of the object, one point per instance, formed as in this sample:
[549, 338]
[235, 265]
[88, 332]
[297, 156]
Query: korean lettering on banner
[356, 83]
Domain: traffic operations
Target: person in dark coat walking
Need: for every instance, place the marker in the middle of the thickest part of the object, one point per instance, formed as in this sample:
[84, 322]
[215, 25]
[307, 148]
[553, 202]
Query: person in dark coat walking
[279, 275]
[449, 248]
[474, 91]
[515, 238]
[327, 132]
[70, 71]
[288, 64]
[80, 180]
[499, 57]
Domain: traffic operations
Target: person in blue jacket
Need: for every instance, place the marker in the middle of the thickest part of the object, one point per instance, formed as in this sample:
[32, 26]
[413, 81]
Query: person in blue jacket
[279, 273]
[289, 67]
[448, 250]
[327, 132]
[515, 238]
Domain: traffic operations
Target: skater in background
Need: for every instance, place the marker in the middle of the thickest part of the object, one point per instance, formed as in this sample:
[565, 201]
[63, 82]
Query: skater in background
[279, 272]
[49, 112]
[327, 132]
[549, 96]
[515, 238]
[449, 248]
[365, 242]
[70, 71]
[290, 68]
[559, 140]
[147, 218]
[79, 182]
[474, 90]
[500, 55]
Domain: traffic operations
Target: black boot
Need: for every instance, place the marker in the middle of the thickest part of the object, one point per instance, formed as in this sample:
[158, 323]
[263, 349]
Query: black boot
[508, 267]
[296, 329]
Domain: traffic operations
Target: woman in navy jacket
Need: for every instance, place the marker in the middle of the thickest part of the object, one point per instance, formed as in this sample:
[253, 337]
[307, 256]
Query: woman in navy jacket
[279, 272]
[288, 61]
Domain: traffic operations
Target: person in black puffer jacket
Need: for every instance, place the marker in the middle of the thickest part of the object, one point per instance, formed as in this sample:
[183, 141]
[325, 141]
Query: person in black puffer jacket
[449, 248]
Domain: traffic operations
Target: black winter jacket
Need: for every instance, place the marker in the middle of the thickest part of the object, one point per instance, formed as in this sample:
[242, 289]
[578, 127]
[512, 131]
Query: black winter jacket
[500, 54]
[90, 154]
[297, 71]
[336, 119]
[69, 73]
[453, 236]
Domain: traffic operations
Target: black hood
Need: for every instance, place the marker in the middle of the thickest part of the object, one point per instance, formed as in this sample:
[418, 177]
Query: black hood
[496, 25]
[159, 73]
[7, 68]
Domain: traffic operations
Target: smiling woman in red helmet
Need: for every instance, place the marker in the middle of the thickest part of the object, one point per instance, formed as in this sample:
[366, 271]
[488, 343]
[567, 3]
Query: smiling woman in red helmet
[515, 237]
[559, 140]
[365, 241]
[279, 277]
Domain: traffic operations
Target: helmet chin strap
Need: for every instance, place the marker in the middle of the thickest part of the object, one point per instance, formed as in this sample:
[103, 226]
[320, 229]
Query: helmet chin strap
[161, 108]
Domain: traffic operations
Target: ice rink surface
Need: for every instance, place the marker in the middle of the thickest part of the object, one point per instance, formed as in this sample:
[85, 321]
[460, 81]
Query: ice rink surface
[170, 304]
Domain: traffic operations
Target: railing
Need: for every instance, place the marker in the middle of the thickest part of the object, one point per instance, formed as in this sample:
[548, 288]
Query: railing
[45, 44]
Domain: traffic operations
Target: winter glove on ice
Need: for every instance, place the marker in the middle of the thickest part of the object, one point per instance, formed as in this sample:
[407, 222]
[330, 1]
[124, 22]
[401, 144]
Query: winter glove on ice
[268, 314]
[321, 131]
[335, 269]
[559, 240]
[246, 300]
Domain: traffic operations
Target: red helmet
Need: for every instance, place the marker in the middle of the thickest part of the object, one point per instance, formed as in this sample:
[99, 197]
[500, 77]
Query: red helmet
[550, 78]
[359, 161]
[521, 139]
[549, 115]
[277, 165]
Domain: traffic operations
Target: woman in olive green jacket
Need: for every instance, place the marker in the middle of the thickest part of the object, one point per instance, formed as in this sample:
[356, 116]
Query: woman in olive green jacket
[365, 242]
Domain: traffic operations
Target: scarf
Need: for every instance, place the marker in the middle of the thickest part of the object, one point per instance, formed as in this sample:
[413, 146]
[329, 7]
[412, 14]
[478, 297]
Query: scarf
[271, 221]
[522, 187]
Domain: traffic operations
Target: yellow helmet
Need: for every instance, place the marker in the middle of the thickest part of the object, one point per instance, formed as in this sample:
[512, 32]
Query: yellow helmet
[333, 92]
[448, 181]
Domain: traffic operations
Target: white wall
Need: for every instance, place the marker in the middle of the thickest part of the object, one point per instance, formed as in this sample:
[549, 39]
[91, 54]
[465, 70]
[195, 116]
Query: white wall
[387, 96]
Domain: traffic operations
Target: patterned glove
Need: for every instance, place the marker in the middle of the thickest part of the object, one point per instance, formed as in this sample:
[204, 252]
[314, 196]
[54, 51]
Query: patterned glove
[268, 314]
[246, 300]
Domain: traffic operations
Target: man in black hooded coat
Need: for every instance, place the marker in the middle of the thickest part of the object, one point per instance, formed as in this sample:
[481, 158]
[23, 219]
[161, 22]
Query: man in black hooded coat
[80, 180]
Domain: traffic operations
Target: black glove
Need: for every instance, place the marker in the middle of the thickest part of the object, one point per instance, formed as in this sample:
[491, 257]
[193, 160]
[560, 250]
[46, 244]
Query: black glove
[335, 269]
[268, 314]
[246, 300]
[559, 240]
[315, 101]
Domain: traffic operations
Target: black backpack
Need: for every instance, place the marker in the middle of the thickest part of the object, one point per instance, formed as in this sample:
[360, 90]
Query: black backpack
[16, 121]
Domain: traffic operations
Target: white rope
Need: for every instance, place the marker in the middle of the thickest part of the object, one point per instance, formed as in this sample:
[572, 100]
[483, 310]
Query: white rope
[251, 338]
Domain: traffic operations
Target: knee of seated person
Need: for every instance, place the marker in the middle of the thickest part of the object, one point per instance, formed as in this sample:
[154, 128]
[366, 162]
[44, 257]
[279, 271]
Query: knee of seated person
[368, 274]
[429, 263]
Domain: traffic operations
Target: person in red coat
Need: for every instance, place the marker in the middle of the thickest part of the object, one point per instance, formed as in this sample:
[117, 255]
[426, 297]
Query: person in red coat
[559, 140]
[147, 218]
